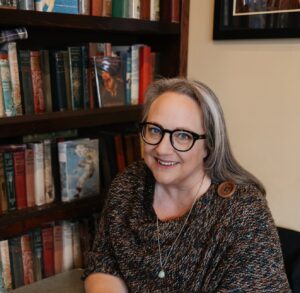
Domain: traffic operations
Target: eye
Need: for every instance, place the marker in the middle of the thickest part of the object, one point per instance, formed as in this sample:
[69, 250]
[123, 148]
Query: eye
[183, 136]
[153, 130]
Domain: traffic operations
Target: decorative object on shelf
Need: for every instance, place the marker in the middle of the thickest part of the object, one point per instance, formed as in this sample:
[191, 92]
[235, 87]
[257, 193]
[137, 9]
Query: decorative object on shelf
[256, 19]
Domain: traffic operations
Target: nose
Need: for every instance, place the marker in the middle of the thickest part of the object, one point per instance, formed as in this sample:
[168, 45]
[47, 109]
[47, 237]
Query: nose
[165, 145]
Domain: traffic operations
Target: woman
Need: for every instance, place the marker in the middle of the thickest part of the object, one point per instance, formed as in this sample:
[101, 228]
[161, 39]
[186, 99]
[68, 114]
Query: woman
[189, 218]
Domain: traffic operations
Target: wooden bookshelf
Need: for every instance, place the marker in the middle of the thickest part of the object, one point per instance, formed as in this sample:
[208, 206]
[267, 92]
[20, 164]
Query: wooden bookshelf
[54, 30]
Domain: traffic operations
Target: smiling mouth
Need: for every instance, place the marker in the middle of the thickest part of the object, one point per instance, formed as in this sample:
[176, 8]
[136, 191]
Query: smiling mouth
[166, 163]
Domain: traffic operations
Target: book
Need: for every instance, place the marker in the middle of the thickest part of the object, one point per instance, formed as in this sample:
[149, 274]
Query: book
[120, 8]
[3, 194]
[109, 81]
[76, 77]
[9, 108]
[107, 8]
[134, 9]
[170, 11]
[37, 82]
[15, 78]
[67, 81]
[26, 5]
[48, 250]
[37, 250]
[26, 81]
[120, 155]
[145, 9]
[145, 71]
[135, 68]
[76, 248]
[59, 6]
[45, 68]
[85, 76]
[2, 288]
[6, 265]
[20, 178]
[67, 253]
[8, 4]
[48, 174]
[13, 34]
[84, 7]
[16, 262]
[2, 111]
[96, 7]
[39, 177]
[9, 180]
[58, 247]
[58, 80]
[79, 168]
[27, 258]
[154, 10]
[29, 171]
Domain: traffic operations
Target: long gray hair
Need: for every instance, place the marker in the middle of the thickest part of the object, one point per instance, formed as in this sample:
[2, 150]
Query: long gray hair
[220, 163]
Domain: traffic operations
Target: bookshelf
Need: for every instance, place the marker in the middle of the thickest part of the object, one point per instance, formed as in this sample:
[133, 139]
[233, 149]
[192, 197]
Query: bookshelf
[52, 30]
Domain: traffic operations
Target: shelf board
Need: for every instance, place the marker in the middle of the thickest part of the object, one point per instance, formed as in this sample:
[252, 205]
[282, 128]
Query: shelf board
[44, 20]
[20, 221]
[48, 122]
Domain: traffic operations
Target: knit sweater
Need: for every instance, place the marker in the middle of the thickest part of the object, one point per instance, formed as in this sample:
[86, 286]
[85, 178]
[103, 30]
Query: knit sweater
[228, 244]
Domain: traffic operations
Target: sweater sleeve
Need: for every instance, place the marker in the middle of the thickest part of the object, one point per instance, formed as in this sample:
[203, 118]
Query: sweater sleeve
[254, 261]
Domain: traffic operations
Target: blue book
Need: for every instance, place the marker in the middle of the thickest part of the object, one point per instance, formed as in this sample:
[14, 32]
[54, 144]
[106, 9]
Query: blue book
[79, 168]
[60, 6]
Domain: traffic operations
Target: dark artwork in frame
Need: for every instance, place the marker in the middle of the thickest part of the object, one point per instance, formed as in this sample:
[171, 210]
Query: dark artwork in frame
[256, 19]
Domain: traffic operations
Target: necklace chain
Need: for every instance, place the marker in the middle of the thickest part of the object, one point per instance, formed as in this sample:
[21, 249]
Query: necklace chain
[162, 271]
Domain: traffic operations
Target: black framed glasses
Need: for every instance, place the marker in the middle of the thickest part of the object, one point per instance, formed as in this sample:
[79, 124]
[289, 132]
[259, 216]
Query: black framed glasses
[182, 140]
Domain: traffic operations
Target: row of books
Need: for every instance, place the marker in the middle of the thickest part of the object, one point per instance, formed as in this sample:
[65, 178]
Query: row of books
[138, 9]
[78, 77]
[52, 249]
[62, 169]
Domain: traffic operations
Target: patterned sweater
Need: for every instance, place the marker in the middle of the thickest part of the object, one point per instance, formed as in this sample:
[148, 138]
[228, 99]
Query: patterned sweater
[228, 245]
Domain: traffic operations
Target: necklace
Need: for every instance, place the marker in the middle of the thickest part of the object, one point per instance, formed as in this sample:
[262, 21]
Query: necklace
[162, 273]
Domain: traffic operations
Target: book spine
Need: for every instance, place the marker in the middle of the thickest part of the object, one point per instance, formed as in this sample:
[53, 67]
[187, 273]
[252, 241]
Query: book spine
[85, 76]
[29, 171]
[107, 8]
[9, 4]
[67, 261]
[6, 267]
[45, 68]
[48, 251]
[145, 71]
[26, 4]
[9, 180]
[6, 85]
[119, 148]
[2, 110]
[96, 7]
[120, 8]
[58, 248]
[15, 254]
[27, 259]
[3, 194]
[37, 249]
[84, 7]
[135, 67]
[48, 175]
[20, 180]
[77, 254]
[76, 77]
[62, 158]
[145, 9]
[15, 78]
[134, 9]
[26, 81]
[37, 82]
[39, 180]
[154, 10]
[175, 11]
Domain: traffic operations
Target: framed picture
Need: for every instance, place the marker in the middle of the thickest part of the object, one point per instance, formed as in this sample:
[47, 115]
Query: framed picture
[256, 19]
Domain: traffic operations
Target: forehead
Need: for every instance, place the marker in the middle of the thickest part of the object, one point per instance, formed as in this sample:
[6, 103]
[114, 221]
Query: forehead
[175, 110]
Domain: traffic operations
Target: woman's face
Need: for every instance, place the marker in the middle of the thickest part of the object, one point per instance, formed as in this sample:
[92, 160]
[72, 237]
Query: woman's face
[169, 166]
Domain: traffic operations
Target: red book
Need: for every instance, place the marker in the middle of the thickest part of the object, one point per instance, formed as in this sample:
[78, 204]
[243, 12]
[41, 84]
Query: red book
[27, 258]
[58, 248]
[175, 15]
[145, 9]
[20, 179]
[170, 10]
[120, 156]
[48, 251]
[37, 82]
[96, 7]
[29, 171]
[145, 72]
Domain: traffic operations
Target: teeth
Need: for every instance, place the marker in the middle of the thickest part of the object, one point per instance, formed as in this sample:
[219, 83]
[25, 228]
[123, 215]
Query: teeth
[166, 163]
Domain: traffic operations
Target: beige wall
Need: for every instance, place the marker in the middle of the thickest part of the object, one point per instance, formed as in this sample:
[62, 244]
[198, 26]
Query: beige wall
[258, 83]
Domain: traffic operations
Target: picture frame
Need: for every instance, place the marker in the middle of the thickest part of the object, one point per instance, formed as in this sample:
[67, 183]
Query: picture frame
[256, 19]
